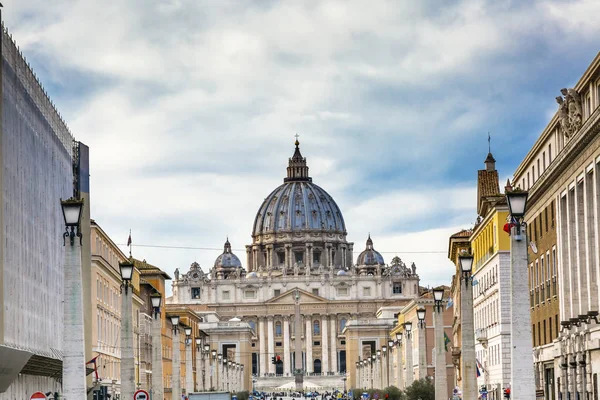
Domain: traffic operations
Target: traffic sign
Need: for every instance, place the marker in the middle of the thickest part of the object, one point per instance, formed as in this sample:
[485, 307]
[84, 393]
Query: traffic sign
[141, 395]
[38, 395]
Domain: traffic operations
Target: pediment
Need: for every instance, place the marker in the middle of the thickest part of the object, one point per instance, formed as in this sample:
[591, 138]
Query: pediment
[289, 297]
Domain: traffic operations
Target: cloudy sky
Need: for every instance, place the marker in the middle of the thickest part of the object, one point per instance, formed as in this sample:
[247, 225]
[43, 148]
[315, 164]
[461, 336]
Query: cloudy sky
[190, 109]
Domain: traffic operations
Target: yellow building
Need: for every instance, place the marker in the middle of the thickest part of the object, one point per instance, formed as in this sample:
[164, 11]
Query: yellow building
[106, 303]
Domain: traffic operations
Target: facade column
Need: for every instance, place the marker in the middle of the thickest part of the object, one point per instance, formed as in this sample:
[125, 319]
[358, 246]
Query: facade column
[263, 347]
[287, 358]
[308, 344]
[288, 256]
[522, 377]
[441, 375]
[249, 258]
[270, 344]
[469, 372]
[199, 368]
[208, 374]
[409, 361]
[333, 345]
[399, 367]
[127, 354]
[324, 344]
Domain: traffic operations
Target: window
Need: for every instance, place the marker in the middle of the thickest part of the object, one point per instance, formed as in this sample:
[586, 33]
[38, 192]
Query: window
[342, 324]
[278, 344]
[298, 255]
[549, 153]
[397, 289]
[315, 292]
[528, 182]
[539, 170]
[316, 343]
[343, 342]
[250, 294]
[276, 292]
[366, 291]
[278, 328]
[195, 293]
[225, 295]
[317, 257]
[316, 328]
[342, 291]
[546, 218]
[533, 173]
[252, 325]
[544, 160]
[552, 213]
[281, 258]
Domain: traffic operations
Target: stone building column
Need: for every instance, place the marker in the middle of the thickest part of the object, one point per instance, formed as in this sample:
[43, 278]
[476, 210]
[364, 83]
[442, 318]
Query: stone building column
[308, 344]
[441, 375]
[306, 256]
[289, 261]
[324, 344]
[422, 352]
[333, 345]
[249, 259]
[399, 368]
[287, 357]
[263, 347]
[270, 344]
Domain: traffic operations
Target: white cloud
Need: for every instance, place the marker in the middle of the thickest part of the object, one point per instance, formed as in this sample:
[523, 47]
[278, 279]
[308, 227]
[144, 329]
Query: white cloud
[190, 108]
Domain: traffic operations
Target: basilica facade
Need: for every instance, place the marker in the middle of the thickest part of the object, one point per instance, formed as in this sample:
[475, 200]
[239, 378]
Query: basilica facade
[299, 246]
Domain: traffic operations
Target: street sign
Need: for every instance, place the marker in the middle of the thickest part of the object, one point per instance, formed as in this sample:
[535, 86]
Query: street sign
[38, 395]
[141, 395]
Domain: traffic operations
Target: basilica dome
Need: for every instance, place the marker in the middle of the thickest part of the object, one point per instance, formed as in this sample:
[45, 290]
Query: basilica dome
[298, 205]
[369, 257]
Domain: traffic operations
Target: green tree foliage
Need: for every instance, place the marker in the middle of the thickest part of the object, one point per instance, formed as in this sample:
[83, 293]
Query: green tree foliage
[420, 390]
[393, 393]
[242, 395]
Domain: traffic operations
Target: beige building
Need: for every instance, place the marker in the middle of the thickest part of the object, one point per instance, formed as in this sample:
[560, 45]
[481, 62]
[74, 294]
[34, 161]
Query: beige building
[298, 242]
[106, 303]
[561, 173]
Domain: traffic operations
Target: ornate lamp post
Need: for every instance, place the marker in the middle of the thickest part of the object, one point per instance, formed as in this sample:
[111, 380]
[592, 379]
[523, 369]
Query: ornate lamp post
[219, 372]
[199, 365]
[522, 372]
[127, 356]
[373, 373]
[408, 354]
[400, 368]
[357, 382]
[158, 390]
[378, 374]
[422, 343]
[176, 361]
[74, 384]
[390, 367]
[189, 372]
[441, 380]
[469, 372]
[213, 385]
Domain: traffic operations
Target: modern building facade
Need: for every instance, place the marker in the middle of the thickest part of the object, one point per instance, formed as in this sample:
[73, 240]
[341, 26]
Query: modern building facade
[298, 242]
[561, 174]
[37, 153]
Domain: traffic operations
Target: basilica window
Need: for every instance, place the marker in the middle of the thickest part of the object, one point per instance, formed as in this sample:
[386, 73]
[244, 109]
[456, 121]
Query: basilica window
[366, 291]
[342, 324]
[342, 291]
[195, 293]
[317, 257]
[299, 256]
[249, 294]
[276, 292]
[316, 328]
[225, 294]
[315, 292]
[278, 328]
[281, 258]
[397, 288]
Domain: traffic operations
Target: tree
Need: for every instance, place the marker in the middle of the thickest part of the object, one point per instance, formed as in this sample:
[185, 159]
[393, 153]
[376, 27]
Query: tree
[420, 390]
[393, 393]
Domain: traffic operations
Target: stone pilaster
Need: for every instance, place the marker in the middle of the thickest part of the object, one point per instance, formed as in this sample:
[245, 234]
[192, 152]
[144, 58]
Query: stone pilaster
[308, 346]
[263, 346]
[522, 377]
[333, 345]
[189, 371]
[175, 368]
[287, 357]
[441, 377]
[74, 384]
[158, 390]
[324, 344]
[270, 344]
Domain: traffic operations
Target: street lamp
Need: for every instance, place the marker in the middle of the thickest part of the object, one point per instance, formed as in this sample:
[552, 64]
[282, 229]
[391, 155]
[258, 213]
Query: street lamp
[465, 261]
[438, 297]
[522, 369]
[421, 316]
[157, 375]
[189, 371]
[198, 344]
[73, 334]
[127, 354]
[391, 344]
[176, 358]
[408, 329]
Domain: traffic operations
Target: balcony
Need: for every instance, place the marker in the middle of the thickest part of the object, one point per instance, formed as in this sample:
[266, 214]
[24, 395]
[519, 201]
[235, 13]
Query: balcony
[482, 337]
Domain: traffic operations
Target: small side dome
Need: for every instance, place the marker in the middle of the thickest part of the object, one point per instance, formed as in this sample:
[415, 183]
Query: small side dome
[235, 319]
[227, 263]
[342, 273]
[252, 275]
[370, 256]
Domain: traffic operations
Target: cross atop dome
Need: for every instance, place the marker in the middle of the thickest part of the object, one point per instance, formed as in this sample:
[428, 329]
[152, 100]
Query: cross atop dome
[297, 169]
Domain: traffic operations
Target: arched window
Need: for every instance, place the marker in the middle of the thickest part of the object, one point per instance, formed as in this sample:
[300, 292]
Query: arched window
[278, 328]
[252, 325]
[316, 328]
[342, 324]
